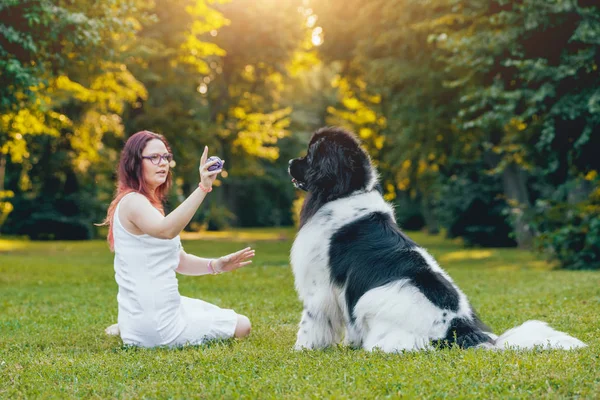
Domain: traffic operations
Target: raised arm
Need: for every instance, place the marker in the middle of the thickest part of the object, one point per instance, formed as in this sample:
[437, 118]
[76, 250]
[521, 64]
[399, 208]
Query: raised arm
[138, 210]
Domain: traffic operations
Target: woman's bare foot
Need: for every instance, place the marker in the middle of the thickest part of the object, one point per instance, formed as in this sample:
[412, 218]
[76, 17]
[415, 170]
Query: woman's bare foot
[113, 330]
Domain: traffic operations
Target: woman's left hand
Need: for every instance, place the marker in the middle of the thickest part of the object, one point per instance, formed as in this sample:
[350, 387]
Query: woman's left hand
[234, 261]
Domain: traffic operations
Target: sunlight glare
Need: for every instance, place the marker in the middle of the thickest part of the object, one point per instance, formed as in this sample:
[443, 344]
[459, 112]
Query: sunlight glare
[317, 36]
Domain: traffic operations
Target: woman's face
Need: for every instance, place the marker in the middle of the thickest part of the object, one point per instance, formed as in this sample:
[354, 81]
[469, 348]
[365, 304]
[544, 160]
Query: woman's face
[154, 167]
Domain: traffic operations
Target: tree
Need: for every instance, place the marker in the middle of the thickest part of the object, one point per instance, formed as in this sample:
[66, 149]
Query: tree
[528, 77]
[388, 53]
[213, 80]
[62, 82]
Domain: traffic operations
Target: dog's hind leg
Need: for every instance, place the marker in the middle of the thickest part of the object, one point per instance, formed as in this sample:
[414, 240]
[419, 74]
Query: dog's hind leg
[398, 317]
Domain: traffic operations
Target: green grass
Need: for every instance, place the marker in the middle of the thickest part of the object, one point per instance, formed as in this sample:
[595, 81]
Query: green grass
[56, 299]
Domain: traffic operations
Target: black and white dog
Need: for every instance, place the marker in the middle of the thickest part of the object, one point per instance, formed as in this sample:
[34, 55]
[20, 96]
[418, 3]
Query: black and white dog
[356, 271]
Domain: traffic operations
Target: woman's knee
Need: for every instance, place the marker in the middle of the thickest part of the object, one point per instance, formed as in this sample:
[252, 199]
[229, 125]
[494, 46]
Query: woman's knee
[243, 327]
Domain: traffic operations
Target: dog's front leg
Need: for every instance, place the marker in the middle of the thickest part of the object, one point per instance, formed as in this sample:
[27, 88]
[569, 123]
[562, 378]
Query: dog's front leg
[318, 329]
[353, 337]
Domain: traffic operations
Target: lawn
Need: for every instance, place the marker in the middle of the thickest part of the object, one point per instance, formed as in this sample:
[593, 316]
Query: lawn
[56, 298]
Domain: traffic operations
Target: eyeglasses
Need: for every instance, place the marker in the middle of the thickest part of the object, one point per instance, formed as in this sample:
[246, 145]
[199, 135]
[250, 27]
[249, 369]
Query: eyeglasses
[155, 158]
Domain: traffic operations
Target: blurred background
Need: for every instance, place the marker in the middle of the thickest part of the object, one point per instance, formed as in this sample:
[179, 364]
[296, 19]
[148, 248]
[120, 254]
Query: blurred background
[482, 116]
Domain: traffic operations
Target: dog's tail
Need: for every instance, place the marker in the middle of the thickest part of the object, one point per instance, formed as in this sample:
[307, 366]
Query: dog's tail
[536, 334]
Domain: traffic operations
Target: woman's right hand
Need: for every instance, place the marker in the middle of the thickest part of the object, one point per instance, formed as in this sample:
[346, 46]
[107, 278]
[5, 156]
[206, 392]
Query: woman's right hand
[207, 177]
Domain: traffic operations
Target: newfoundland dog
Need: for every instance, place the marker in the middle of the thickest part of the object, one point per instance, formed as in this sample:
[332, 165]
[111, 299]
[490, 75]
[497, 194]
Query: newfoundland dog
[359, 275]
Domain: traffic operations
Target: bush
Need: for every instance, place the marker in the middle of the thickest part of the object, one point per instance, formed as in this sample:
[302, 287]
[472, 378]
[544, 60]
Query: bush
[472, 206]
[57, 218]
[219, 218]
[569, 233]
[56, 227]
[263, 201]
[408, 213]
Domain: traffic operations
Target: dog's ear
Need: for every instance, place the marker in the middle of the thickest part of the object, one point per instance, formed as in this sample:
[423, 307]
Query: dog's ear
[337, 170]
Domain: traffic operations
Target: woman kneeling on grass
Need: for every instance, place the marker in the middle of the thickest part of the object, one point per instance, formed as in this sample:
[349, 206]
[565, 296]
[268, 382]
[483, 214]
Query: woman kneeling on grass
[148, 252]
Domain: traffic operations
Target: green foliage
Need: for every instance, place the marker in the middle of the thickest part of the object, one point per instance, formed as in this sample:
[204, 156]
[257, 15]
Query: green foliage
[61, 81]
[528, 73]
[570, 234]
[512, 83]
[47, 220]
[396, 99]
[35, 37]
[5, 204]
[569, 231]
[105, 69]
[57, 202]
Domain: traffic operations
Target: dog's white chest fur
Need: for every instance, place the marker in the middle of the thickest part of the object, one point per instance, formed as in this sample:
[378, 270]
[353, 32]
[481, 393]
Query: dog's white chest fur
[323, 301]
[310, 251]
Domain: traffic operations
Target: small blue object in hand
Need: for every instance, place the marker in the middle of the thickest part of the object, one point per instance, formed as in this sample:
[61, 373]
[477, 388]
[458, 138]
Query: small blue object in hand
[217, 165]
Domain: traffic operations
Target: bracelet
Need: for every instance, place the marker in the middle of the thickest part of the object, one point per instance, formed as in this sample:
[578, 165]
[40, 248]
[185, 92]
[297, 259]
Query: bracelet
[205, 190]
[212, 269]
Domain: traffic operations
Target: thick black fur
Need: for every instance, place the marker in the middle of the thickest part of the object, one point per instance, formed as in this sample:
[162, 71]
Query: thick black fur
[334, 167]
[375, 241]
[372, 251]
[465, 333]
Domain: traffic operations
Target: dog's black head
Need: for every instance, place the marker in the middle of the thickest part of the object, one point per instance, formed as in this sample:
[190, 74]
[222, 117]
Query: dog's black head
[334, 166]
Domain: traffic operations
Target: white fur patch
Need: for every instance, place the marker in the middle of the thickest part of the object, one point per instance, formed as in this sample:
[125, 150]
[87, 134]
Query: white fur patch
[398, 317]
[534, 333]
[310, 251]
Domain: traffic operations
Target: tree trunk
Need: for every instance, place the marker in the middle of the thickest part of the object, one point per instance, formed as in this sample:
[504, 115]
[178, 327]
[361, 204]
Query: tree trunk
[2, 170]
[431, 221]
[514, 180]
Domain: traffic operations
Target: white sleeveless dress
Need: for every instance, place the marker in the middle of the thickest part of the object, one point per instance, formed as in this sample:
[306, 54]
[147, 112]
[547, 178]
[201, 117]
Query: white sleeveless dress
[151, 310]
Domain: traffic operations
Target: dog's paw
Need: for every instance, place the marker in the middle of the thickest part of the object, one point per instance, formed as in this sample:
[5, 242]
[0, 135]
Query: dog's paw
[308, 345]
[113, 330]
[396, 341]
[302, 346]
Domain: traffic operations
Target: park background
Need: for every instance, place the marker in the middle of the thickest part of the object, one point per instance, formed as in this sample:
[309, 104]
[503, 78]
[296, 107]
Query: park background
[482, 117]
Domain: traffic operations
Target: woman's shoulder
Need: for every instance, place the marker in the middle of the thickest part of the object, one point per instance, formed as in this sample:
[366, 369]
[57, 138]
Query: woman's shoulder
[135, 197]
[133, 200]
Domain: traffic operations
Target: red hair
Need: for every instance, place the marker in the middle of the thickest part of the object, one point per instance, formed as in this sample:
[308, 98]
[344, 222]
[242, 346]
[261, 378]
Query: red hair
[130, 178]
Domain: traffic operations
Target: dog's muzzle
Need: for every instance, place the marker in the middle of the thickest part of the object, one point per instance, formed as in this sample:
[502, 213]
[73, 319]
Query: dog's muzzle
[298, 184]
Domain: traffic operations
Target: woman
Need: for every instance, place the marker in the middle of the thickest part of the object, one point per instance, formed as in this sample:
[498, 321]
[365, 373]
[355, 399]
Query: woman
[148, 252]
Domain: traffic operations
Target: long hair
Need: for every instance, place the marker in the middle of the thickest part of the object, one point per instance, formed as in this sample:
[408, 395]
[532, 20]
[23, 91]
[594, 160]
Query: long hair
[130, 178]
